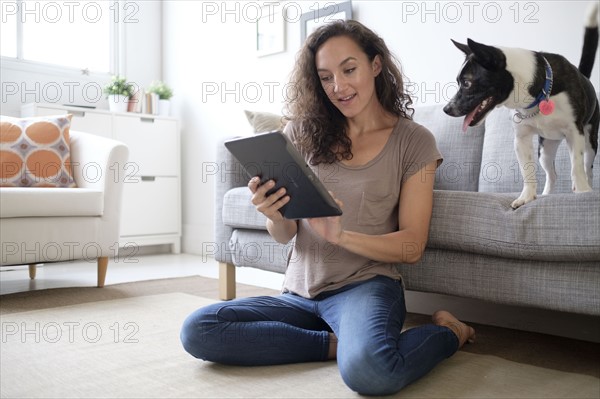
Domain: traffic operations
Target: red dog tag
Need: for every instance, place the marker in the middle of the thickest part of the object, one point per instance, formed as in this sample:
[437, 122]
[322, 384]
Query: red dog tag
[547, 107]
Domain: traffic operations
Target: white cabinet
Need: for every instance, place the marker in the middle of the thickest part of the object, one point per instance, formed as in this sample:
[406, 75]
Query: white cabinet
[151, 209]
[148, 205]
[85, 120]
[151, 145]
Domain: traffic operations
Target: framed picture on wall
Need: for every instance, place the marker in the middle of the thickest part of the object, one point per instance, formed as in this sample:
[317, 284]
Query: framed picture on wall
[270, 32]
[312, 20]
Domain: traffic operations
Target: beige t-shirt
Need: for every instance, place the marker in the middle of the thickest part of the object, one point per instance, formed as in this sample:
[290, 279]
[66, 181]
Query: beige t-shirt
[370, 194]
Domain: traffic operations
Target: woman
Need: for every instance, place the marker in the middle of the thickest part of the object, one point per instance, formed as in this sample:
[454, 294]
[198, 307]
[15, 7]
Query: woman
[342, 296]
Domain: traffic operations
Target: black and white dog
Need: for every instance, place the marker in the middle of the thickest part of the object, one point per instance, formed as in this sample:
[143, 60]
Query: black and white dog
[550, 97]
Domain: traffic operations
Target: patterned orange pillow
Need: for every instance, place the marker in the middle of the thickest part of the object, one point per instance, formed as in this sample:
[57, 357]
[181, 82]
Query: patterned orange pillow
[36, 152]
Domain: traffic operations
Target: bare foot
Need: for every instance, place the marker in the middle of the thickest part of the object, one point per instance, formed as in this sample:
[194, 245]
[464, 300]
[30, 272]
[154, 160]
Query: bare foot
[333, 341]
[464, 332]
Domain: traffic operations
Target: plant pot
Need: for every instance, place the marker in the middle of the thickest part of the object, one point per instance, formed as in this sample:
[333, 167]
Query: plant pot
[118, 103]
[164, 107]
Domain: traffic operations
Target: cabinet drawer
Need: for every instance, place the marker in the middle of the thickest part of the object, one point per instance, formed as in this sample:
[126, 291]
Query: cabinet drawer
[90, 122]
[150, 206]
[153, 144]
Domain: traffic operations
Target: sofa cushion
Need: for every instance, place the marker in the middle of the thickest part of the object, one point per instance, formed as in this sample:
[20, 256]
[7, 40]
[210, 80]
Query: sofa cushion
[35, 152]
[238, 211]
[558, 227]
[500, 171]
[41, 202]
[461, 151]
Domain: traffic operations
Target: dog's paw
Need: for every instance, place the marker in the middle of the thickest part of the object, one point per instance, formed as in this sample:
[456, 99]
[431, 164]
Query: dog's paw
[527, 195]
[585, 189]
[581, 185]
[521, 201]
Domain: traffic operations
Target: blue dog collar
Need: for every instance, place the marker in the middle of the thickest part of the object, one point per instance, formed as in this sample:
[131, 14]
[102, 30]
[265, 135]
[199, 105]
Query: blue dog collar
[545, 93]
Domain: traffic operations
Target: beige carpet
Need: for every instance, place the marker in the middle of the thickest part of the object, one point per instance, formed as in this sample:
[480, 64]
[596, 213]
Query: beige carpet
[129, 347]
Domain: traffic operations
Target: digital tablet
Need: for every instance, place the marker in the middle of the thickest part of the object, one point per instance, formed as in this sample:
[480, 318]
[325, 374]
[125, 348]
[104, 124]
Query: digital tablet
[273, 156]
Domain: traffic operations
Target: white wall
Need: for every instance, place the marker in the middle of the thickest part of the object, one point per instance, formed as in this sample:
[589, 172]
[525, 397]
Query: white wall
[216, 75]
[209, 59]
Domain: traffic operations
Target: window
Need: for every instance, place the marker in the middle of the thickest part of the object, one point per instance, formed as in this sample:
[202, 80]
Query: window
[8, 35]
[74, 34]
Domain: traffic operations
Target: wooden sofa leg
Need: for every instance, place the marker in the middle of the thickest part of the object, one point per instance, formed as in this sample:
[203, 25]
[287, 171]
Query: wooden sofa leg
[32, 270]
[102, 266]
[226, 281]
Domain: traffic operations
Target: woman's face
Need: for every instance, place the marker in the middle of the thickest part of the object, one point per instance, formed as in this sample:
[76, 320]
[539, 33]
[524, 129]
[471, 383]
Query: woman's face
[347, 75]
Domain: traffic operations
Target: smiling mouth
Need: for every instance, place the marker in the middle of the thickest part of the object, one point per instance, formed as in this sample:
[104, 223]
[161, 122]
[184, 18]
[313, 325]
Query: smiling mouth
[478, 113]
[346, 99]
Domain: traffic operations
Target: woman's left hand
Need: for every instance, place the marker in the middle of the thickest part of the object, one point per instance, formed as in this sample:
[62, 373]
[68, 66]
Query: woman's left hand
[330, 228]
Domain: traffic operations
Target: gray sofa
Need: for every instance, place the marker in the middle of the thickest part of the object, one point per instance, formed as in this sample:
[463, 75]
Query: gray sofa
[545, 254]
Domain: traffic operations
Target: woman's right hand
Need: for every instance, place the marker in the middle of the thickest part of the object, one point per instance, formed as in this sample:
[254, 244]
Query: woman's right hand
[268, 205]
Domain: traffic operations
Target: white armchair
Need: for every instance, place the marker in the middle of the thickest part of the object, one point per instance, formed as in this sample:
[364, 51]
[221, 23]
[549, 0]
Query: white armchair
[43, 225]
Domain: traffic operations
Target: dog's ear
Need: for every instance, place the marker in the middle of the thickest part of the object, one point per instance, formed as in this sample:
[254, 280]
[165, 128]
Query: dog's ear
[489, 57]
[462, 47]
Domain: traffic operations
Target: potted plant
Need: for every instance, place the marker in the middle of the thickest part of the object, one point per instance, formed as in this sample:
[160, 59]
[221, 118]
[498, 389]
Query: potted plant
[118, 91]
[164, 93]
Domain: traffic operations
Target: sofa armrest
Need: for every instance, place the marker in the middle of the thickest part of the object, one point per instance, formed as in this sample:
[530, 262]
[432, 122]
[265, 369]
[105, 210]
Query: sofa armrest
[99, 163]
[230, 175]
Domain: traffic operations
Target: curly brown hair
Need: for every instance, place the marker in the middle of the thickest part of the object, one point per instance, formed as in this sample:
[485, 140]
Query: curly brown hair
[322, 126]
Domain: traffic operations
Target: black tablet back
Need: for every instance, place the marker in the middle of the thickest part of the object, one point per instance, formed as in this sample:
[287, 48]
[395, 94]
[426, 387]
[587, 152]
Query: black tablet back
[272, 156]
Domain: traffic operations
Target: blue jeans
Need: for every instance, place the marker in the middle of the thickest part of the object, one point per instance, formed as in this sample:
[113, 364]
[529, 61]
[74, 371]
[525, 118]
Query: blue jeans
[374, 356]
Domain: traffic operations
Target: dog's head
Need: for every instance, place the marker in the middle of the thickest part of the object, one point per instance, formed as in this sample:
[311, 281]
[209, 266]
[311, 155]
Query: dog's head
[483, 83]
